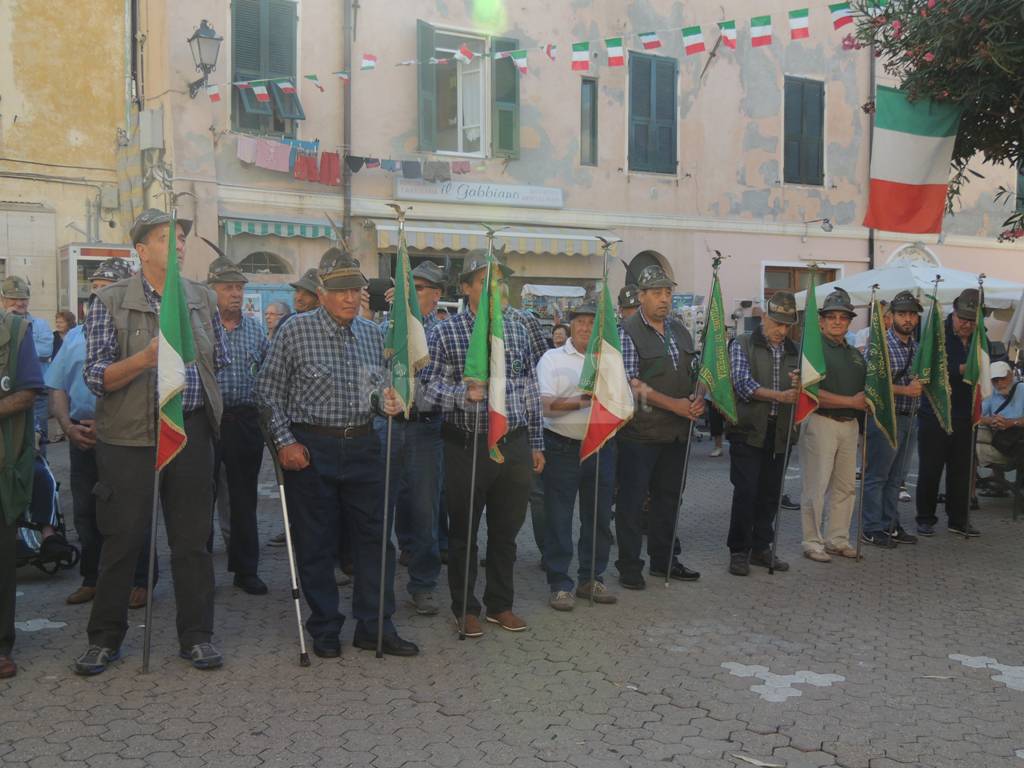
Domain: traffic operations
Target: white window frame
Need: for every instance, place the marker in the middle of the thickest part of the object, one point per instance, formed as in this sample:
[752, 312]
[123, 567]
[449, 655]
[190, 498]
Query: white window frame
[485, 92]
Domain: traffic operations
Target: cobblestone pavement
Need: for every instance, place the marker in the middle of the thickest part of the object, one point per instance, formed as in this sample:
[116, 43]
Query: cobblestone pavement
[912, 657]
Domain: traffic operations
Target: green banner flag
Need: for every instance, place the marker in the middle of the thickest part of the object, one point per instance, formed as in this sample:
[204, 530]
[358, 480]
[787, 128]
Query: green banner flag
[406, 342]
[714, 360]
[878, 382]
[931, 367]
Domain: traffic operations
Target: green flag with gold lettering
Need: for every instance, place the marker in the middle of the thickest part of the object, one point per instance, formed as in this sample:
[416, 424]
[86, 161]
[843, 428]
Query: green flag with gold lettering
[878, 382]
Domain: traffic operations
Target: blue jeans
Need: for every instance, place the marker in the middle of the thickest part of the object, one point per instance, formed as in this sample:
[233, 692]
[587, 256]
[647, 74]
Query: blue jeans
[417, 456]
[345, 478]
[887, 467]
[564, 478]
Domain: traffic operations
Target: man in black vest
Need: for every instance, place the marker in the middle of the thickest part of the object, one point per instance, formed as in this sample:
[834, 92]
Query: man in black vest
[763, 366]
[658, 354]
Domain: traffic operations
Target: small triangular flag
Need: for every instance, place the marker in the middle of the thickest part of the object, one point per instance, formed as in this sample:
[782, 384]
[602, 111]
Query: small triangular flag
[213, 91]
[315, 80]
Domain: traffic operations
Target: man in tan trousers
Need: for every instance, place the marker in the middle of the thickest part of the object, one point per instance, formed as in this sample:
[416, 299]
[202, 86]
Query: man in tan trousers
[828, 443]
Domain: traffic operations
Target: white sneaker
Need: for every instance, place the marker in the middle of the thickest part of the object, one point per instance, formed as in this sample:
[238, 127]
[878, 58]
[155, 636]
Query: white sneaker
[715, 452]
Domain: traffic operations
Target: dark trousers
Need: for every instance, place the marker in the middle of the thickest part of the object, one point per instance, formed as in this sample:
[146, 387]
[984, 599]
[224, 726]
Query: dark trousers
[937, 451]
[344, 481]
[84, 476]
[8, 583]
[504, 489]
[124, 508]
[756, 476]
[647, 467]
[240, 449]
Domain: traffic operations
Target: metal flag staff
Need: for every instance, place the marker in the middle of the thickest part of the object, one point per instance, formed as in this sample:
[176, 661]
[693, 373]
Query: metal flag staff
[974, 425]
[864, 453]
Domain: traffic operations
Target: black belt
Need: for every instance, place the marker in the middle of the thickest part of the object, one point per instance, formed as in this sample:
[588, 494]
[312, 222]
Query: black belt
[550, 434]
[239, 412]
[345, 433]
[837, 417]
[465, 438]
[423, 418]
[904, 413]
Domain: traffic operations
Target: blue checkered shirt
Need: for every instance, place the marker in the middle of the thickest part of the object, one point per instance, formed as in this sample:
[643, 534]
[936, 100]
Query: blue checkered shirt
[900, 357]
[534, 331]
[629, 356]
[442, 378]
[247, 346]
[102, 349]
[743, 381]
[320, 372]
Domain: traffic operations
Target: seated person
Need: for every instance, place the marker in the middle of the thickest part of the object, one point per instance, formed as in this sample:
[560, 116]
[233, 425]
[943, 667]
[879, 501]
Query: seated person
[1003, 409]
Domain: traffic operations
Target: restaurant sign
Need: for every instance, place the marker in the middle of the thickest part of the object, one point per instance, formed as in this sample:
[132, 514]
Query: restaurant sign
[478, 193]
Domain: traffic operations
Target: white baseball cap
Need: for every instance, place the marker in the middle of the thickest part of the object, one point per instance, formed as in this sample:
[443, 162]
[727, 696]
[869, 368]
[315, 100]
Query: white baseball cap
[999, 369]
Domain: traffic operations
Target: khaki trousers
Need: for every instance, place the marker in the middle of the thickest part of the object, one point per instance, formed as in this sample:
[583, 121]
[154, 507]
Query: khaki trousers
[828, 464]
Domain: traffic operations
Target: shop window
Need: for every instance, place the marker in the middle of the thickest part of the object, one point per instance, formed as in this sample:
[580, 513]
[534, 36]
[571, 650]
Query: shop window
[264, 263]
[263, 45]
[652, 113]
[793, 279]
[804, 150]
[588, 121]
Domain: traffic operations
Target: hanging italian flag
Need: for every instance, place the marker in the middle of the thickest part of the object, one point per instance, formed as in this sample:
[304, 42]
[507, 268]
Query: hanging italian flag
[650, 40]
[841, 14]
[464, 54]
[581, 57]
[693, 40]
[369, 61]
[485, 358]
[519, 59]
[406, 341]
[616, 53]
[343, 75]
[728, 31]
[213, 91]
[604, 378]
[316, 81]
[286, 86]
[551, 51]
[799, 24]
[910, 156]
[175, 350]
[812, 358]
[977, 370]
[761, 31]
[261, 92]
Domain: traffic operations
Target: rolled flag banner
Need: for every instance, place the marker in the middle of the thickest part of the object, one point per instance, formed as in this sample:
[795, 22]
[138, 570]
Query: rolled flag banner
[261, 92]
[812, 358]
[581, 57]
[175, 350]
[650, 40]
[406, 342]
[728, 31]
[464, 54]
[485, 358]
[761, 31]
[977, 371]
[616, 52]
[799, 24]
[286, 85]
[369, 61]
[931, 367]
[841, 14]
[693, 40]
[519, 59]
[316, 81]
[878, 379]
[714, 361]
[910, 157]
[213, 91]
[604, 377]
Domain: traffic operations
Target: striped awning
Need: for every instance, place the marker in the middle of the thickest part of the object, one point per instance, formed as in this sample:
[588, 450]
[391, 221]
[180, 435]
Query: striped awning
[440, 236]
[262, 227]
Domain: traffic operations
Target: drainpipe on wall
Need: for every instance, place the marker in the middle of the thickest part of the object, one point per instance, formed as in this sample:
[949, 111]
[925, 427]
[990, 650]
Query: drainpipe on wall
[871, 147]
[346, 131]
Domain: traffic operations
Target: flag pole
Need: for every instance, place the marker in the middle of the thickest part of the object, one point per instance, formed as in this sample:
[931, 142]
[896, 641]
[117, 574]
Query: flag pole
[148, 635]
[974, 426]
[864, 449]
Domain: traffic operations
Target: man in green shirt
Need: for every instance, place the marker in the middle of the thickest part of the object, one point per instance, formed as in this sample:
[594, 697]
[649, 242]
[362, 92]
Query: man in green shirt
[828, 445]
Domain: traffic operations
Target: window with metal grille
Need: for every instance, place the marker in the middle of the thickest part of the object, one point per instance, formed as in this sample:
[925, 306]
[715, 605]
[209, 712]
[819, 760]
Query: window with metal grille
[264, 263]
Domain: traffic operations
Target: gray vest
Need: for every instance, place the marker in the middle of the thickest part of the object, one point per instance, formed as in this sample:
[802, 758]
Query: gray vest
[650, 424]
[127, 416]
[752, 422]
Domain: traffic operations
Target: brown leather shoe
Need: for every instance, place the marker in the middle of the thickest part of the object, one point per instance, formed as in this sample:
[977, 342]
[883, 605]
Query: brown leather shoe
[473, 628]
[81, 595]
[138, 598]
[7, 667]
[507, 620]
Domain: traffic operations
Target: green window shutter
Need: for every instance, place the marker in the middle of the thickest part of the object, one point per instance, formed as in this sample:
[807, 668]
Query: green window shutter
[505, 113]
[793, 128]
[588, 121]
[663, 127]
[641, 112]
[426, 83]
[804, 132]
[282, 26]
[287, 105]
[245, 39]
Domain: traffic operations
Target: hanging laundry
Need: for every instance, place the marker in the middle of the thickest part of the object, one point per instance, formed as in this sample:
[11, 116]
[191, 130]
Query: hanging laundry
[461, 166]
[372, 162]
[305, 167]
[309, 147]
[437, 171]
[411, 169]
[273, 155]
[391, 166]
[330, 169]
[354, 163]
[247, 149]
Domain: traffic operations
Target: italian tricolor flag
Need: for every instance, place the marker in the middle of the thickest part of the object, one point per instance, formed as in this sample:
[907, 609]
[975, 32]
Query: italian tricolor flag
[406, 341]
[728, 31]
[316, 81]
[604, 377]
[693, 40]
[841, 14]
[581, 56]
[261, 92]
[485, 358]
[464, 54]
[616, 53]
[799, 21]
[286, 86]
[213, 91]
[977, 370]
[369, 61]
[910, 156]
[761, 31]
[175, 350]
[812, 358]
[519, 59]
[650, 40]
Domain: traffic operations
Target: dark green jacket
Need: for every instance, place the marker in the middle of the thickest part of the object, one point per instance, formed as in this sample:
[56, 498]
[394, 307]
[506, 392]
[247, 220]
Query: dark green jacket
[752, 424]
[17, 431]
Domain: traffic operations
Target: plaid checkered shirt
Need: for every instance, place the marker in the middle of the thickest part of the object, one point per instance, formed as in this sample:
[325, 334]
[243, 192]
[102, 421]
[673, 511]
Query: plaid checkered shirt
[900, 357]
[743, 381]
[320, 372]
[247, 346]
[443, 386]
[534, 331]
[629, 356]
[101, 350]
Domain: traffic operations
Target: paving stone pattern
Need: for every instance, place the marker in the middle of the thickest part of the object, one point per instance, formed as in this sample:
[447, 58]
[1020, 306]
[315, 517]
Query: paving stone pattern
[910, 658]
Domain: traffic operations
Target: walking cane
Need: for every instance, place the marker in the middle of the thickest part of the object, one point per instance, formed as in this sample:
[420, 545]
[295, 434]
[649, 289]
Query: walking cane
[593, 532]
[469, 521]
[148, 634]
[385, 538]
[974, 427]
[279, 472]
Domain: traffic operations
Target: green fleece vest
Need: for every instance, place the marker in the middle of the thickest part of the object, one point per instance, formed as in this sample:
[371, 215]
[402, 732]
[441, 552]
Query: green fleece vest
[752, 423]
[17, 431]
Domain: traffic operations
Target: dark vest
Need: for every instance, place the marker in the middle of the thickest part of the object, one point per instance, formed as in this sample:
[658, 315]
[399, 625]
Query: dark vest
[752, 422]
[17, 431]
[651, 424]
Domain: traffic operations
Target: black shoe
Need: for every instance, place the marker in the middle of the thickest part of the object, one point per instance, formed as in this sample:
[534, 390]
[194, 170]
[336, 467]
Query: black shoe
[679, 572]
[788, 503]
[252, 584]
[632, 581]
[763, 559]
[965, 530]
[739, 564]
[926, 530]
[883, 540]
[392, 644]
[902, 537]
[327, 649]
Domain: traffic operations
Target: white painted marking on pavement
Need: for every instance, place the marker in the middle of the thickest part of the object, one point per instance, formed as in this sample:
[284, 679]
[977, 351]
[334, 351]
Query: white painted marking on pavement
[1010, 676]
[777, 688]
[34, 625]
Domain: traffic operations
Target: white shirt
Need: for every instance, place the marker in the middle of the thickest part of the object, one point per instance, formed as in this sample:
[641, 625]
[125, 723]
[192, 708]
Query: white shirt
[558, 374]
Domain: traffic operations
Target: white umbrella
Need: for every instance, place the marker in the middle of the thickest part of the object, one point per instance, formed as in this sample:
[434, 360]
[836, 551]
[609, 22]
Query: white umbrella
[1014, 335]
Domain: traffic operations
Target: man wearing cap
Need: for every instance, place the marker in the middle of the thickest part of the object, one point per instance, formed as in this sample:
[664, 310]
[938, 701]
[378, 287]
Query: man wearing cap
[628, 301]
[503, 488]
[763, 366]
[240, 447]
[306, 297]
[322, 384]
[1003, 409]
[74, 406]
[938, 451]
[828, 445]
[658, 354]
[566, 412]
[15, 294]
[887, 466]
[121, 332]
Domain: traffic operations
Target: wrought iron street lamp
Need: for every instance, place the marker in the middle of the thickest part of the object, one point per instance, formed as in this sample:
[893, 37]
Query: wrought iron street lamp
[205, 47]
